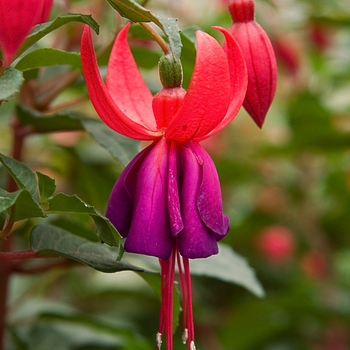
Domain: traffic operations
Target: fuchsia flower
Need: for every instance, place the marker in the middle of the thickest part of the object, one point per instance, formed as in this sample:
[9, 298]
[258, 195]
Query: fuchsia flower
[17, 18]
[259, 56]
[167, 201]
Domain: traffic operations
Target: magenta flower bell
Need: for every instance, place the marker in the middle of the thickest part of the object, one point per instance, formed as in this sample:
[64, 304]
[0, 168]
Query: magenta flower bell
[17, 18]
[167, 201]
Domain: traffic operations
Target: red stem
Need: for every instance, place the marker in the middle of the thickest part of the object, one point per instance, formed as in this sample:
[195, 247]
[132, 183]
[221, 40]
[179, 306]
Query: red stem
[6, 244]
[8, 255]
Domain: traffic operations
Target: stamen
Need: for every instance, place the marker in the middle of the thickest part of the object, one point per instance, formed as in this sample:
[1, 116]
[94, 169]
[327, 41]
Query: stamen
[185, 336]
[183, 291]
[190, 324]
[192, 346]
[159, 340]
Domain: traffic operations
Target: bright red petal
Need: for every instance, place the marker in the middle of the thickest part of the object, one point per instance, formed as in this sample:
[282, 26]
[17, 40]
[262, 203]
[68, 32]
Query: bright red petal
[208, 95]
[105, 107]
[125, 84]
[239, 80]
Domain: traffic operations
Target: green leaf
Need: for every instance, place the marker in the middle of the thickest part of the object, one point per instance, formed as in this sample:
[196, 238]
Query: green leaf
[135, 12]
[230, 267]
[21, 173]
[25, 206]
[47, 238]
[10, 83]
[188, 54]
[121, 148]
[63, 203]
[43, 29]
[44, 57]
[47, 186]
[61, 121]
[7, 199]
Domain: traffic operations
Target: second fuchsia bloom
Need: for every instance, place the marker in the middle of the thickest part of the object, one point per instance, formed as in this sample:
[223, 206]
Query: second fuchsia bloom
[167, 201]
[259, 56]
[17, 18]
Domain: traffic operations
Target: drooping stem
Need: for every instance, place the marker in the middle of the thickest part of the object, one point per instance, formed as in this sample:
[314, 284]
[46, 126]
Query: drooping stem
[155, 35]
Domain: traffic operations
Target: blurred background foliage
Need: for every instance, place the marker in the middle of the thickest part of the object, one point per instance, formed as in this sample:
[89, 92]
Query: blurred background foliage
[286, 190]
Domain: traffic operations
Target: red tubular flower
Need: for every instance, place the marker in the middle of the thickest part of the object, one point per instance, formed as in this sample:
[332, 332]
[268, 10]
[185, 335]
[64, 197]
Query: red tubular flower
[167, 201]
[17, 18]
[259, 56]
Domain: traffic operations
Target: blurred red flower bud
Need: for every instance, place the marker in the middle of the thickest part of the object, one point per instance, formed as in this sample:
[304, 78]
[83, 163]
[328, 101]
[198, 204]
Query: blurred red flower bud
[276, 243]
[288, 53]
[314, 264]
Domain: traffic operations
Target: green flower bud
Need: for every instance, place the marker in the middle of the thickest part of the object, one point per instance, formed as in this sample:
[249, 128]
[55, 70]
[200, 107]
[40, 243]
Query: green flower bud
[170, 71]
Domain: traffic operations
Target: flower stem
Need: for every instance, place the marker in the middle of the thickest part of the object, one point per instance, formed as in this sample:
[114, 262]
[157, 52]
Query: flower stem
[6, 244]
[155, 35]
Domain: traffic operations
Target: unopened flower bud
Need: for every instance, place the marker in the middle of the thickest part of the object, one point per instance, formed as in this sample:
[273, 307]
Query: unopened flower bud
[170, 71]
[259, 56]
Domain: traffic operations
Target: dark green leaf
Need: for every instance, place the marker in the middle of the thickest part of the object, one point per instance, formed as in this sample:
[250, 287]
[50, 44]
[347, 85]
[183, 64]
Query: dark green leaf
[25, 207]
[63, 203]
[188, 54]
[47, 238]
[47, 186]
[121, 148]
[43, 123]
[7, 199]
[21, 173]
[43, 29]
[48, 57]
[135, 12]
[10, 83]
[230, 267]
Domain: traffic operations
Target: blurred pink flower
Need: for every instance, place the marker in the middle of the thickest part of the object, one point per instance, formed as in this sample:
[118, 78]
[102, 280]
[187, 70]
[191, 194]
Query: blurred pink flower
[17, 18]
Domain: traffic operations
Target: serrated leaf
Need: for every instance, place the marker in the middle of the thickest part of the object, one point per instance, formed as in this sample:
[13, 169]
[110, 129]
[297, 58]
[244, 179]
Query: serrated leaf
[63, 203]
[47, 186]
[121, 148]
[61, 121]
[7, 199]
[47, 238]
[10, 83]
[44, 57]
[26, 207]
[43, 29]
[135, 12]
[21, 173]
[230, 267]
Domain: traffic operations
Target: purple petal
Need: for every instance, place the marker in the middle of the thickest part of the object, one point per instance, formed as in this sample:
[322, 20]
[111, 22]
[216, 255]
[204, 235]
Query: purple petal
[120, 204]
[196, 240]
[176, 223]
[150, 231]
[209, 201]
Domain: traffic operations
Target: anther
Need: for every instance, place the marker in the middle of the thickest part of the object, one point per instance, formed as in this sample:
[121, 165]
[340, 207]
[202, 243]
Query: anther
[159, 340]
[185, 336]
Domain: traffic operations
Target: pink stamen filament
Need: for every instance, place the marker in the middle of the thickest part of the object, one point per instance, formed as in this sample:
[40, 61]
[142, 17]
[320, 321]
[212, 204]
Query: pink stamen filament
[190, 325]
[167, 287]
